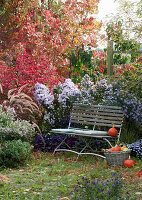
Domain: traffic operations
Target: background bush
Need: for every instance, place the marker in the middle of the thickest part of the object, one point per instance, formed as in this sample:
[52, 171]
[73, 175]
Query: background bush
[14, 153]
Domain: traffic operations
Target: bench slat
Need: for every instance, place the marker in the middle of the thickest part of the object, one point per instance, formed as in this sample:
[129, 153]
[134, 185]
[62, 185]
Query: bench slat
[109, 125]
[97, 120]
[82, 122]
[89, 111]
[96, 112]
[120, 117]
[96, 106]
[97, 124]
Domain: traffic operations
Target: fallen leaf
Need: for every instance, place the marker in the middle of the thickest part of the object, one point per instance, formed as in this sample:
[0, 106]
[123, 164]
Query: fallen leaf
[21, 170]
[4, 177]
[27, 190]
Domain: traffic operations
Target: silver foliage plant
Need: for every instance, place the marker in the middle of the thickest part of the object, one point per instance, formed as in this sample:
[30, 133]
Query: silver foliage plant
[15, 129]
[25, 114]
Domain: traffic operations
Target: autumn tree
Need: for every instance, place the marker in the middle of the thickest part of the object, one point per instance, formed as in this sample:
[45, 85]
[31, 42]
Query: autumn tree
[47, 32]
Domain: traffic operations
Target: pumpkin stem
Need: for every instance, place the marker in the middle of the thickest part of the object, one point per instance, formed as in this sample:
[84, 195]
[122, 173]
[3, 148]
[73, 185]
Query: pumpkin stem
[113, 125]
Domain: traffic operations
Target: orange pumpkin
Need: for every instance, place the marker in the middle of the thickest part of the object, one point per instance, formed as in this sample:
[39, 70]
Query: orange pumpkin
[129, 163]
[117, 148]
[111, 150]
[112, 131]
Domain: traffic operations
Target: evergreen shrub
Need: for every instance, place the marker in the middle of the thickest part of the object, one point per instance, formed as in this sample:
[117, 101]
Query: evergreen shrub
[14, 153]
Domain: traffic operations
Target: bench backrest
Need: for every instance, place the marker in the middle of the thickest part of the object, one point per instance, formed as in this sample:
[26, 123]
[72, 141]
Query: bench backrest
[97, 115]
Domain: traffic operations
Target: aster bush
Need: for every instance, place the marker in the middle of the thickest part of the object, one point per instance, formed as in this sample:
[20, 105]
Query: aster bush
[131, 105]
[87, 89]
[116, 94]
[57, 103]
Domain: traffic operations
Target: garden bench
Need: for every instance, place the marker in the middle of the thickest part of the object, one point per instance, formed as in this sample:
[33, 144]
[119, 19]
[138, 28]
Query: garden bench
[94, 121]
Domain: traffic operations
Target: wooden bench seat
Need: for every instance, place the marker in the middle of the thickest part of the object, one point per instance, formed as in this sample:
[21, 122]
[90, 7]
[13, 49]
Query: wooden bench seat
[91, 122]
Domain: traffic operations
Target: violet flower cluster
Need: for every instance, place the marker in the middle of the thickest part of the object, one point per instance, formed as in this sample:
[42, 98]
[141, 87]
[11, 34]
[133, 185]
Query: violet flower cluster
[100, 88]
[69, 90]
[120, 97]
[87, 89]
[93, 93]
[136, 148]
[59, 103]
[43, 95]
[87, 84]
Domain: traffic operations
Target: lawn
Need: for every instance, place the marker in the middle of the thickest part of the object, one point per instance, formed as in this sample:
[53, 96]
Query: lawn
[55, 177]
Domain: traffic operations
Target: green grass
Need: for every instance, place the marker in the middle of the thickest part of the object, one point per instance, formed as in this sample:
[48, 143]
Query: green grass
[54, 177]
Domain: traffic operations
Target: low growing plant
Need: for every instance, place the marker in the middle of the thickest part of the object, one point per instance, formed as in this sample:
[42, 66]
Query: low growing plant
[136, 148]
[110, 189]
[51, 142]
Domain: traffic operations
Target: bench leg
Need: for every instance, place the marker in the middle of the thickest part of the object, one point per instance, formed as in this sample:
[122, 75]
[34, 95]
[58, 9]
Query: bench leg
[78, 153]
[94, 154]
[62, 142]
[86, 145]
